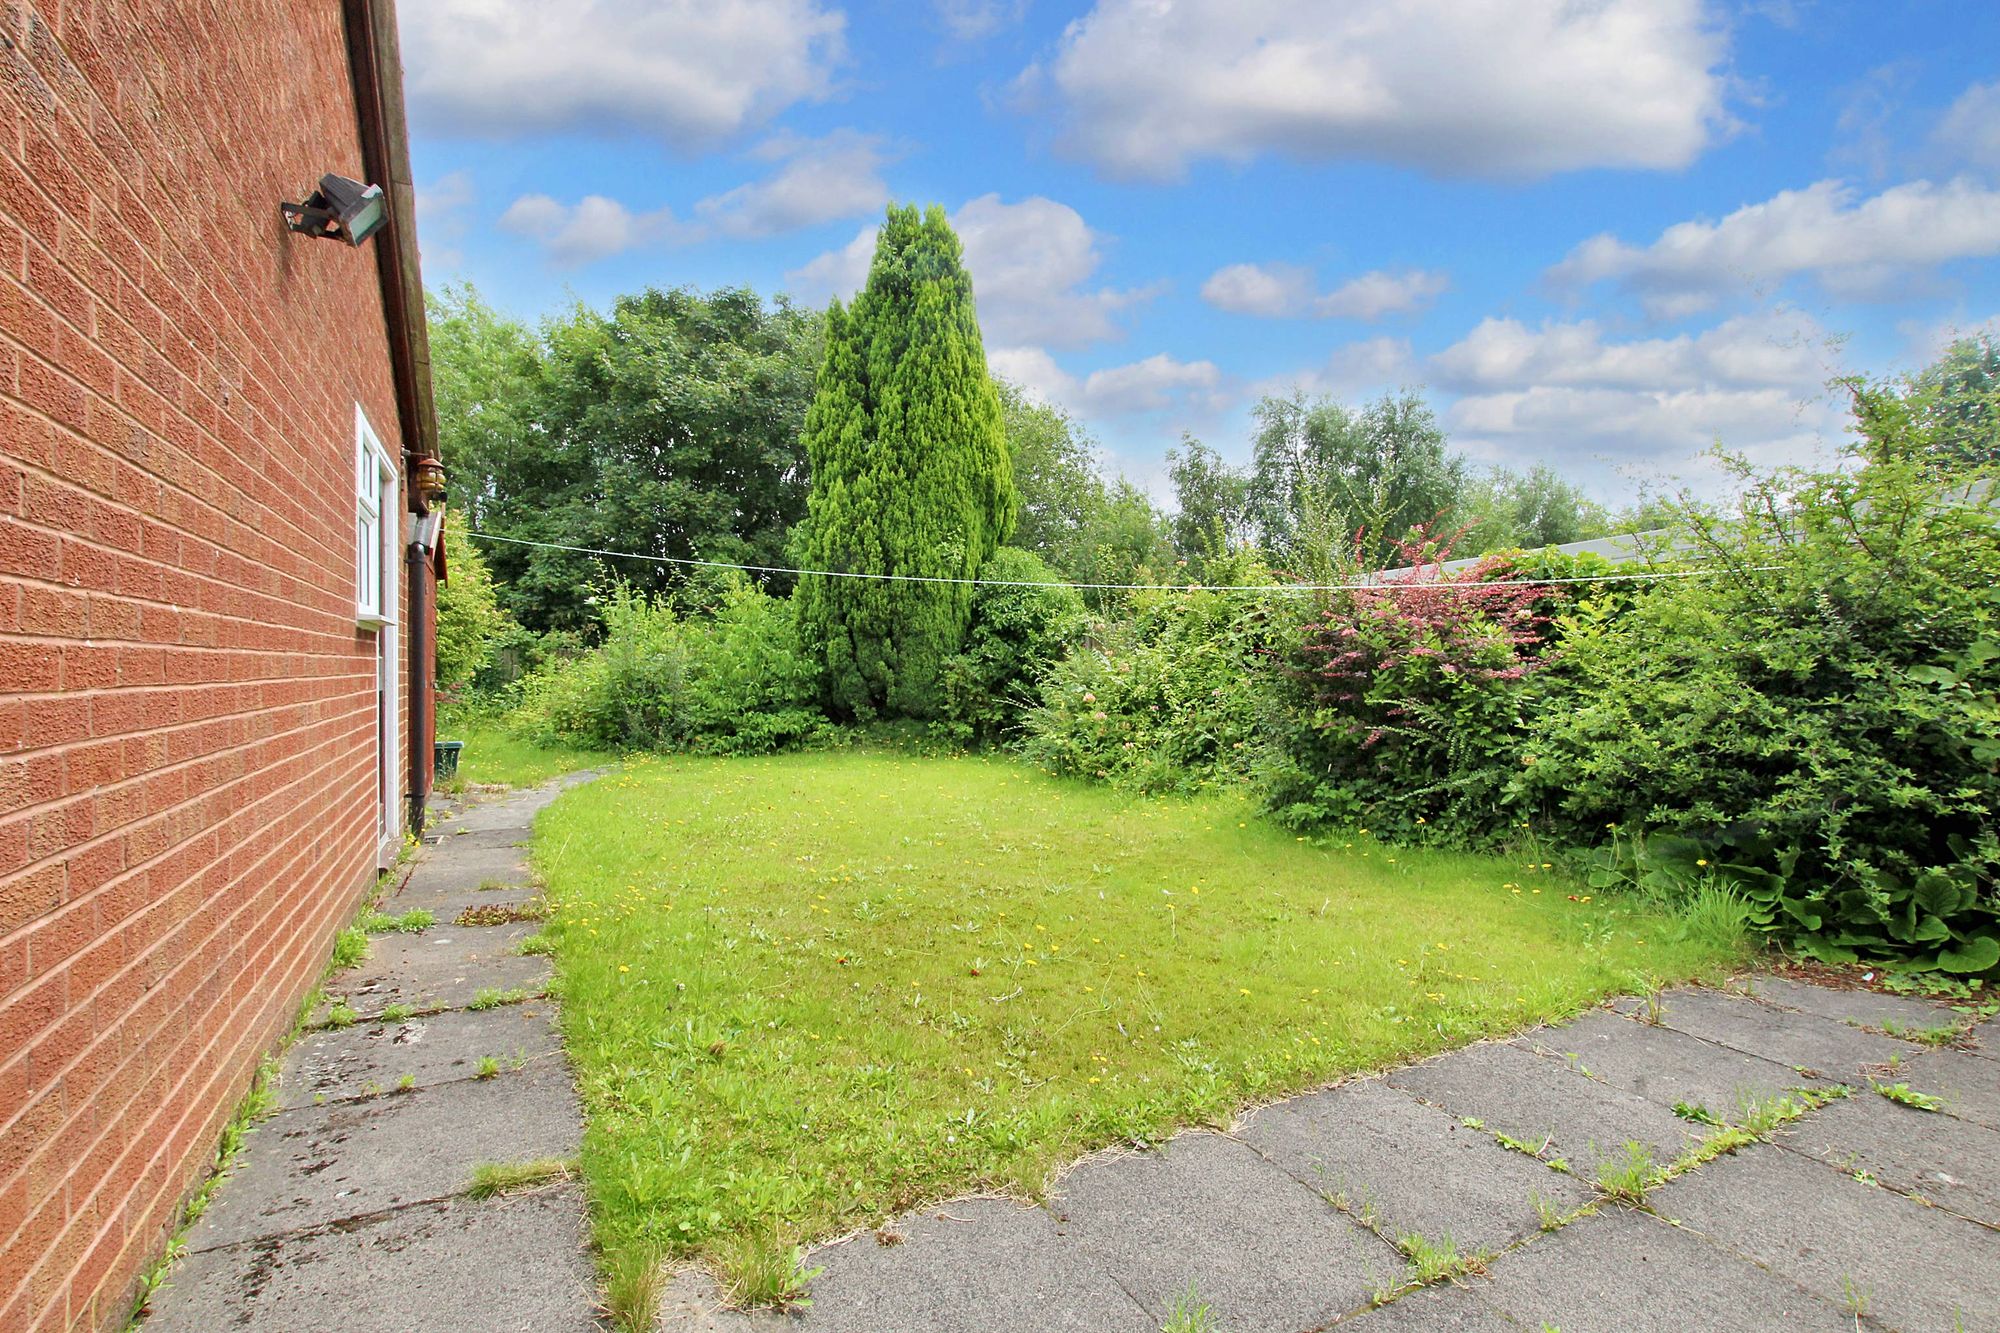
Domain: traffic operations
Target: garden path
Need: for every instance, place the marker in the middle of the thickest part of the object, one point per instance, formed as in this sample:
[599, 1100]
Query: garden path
[349, 1209]
[1863, 1213]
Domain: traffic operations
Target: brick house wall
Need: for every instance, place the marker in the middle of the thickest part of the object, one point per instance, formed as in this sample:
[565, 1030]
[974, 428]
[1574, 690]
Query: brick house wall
[188, 714]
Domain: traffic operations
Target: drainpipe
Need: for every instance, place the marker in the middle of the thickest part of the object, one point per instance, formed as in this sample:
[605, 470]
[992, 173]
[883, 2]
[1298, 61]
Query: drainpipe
[417, 564]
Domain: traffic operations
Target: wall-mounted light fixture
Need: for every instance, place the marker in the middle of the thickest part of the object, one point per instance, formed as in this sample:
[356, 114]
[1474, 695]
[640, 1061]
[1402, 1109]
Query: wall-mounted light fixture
[339, 210]
[427, 478]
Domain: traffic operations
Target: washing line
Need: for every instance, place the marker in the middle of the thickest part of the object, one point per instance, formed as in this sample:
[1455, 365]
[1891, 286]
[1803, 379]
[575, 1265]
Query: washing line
[1287, 588]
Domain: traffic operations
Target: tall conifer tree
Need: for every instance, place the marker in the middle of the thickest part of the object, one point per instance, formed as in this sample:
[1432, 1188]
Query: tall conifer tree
[910, 474]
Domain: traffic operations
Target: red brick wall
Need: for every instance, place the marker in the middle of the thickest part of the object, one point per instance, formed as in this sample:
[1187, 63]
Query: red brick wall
[187, 734]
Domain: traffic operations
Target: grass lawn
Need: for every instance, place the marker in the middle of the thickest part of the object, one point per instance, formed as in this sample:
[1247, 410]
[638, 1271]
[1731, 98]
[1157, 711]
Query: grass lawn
[806, 992]
[493, 756]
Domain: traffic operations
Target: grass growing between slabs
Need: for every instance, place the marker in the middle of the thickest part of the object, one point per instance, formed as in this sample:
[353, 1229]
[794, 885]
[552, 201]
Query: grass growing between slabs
[807, 992]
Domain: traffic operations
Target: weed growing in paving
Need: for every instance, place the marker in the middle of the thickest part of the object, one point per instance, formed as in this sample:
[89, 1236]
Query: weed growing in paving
[541, 942]
[350, 949]
[1904, 1095]
[413, 922]
[489, 1067]
[490, 997]
[496, 915]
[1436, 1260]
[1190, 1314]
[1944, 1034]
[765, 1271]
[398, 1013]
[634, 1281]
[1699, 1114]
[807, 992]
[1627, 1175]
[340, 1014]
[491, 1178]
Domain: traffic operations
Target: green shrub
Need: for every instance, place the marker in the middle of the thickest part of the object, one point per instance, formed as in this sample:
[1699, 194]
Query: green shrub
[1173, 699]
[1819, 723]
[1405, 699]
[469, 617]
[733, 682]
[1016, 633]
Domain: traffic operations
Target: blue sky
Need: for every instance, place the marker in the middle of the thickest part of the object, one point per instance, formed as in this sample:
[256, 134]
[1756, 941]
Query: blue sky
[1601, 234]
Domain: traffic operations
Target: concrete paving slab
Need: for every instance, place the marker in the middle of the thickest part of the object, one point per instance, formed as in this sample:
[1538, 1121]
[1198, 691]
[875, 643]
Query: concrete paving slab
[465, 871]
[1969, 1082]
[1665, 1066]
[516, 809]
[370, 1058]
[458, 840]
[1865, 1007]
[1410, 1166]
[1624, 1271]
[1263, 1250]
[447, 906]
[322, 1164]
[1446, 1308]
[971, 1266]
[1915, 1267]
[1822, 1046]
[444, 967]
[693, 1304]
[1952, 1163]
[1514, 1090]
[514, 1265]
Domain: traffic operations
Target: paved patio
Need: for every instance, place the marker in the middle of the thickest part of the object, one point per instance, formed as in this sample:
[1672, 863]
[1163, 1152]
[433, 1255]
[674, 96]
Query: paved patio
[350, 1210]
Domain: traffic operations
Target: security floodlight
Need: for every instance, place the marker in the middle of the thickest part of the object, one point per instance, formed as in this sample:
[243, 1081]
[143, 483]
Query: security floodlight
[340, 209]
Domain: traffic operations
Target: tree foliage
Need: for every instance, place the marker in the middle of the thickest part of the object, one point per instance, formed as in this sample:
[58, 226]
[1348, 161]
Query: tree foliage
[910, 474]
[469, 616]
[666, 427]
[1958, 397]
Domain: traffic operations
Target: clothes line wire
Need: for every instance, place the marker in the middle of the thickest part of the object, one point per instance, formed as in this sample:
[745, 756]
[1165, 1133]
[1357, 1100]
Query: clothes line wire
[1378, 584]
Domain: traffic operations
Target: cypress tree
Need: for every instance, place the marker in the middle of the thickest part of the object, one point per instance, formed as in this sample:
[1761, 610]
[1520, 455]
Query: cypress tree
[910, 474]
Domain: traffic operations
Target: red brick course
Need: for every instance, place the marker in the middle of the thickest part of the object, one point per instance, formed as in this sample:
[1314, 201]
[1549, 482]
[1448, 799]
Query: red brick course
[187, 717]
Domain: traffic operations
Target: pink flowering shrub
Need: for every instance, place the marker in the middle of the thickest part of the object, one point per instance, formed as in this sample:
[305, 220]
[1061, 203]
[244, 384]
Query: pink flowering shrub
[1407, 696]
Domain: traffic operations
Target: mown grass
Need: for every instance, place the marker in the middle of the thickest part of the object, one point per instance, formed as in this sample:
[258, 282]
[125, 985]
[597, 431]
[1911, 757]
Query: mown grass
[804, 993]
[494, 756]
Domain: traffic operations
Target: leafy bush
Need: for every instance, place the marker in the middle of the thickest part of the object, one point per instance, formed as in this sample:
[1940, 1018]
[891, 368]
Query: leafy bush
[734, 682]
[469, 617]
[1170, 700]
[1017, 631]
[1819, 723]
[1406, 698]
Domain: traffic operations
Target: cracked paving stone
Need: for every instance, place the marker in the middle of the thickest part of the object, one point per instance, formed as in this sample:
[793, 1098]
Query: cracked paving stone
[340, 1063]
[321, 1164]
[1913, 1266]
[1620, 1270]
[1411, 1167]
[444, 967]
[512, 1265]
[1665, 1066]
[1263, 1250]
[1865, 1007]
[1450, 1307]
[970, 1266]
[1968, 1082]
[1534, 1098]
[1822, 1046]
[1953, 1163]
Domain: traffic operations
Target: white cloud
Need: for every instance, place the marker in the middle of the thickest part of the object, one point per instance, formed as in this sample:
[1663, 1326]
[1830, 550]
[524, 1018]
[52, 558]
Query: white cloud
[1031, 264]
[1487, 88]
[972, 20]
[1970, 129]
[820, 180]
[582, 233]
[1567, 395]
[1160, 383]
[1860, 248]
[442, 205]
[1273, 291]
[1276, 291]
[690, 72]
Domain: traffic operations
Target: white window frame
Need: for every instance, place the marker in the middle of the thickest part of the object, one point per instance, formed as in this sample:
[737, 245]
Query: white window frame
[376, 525]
